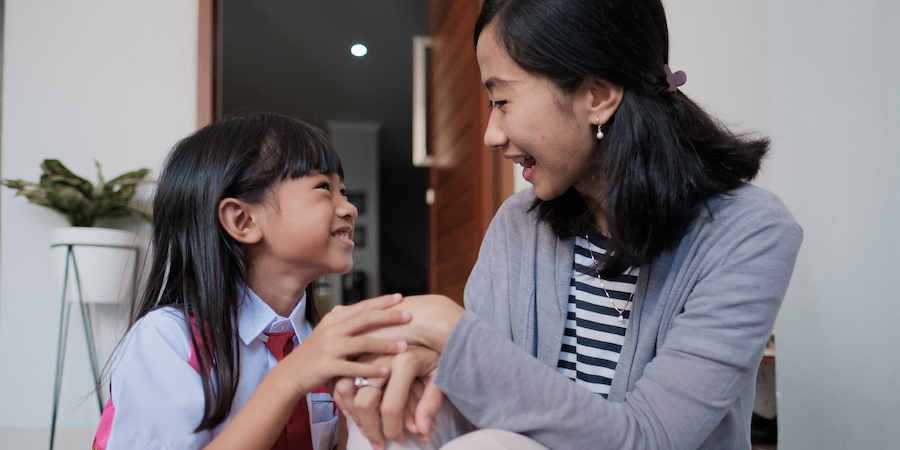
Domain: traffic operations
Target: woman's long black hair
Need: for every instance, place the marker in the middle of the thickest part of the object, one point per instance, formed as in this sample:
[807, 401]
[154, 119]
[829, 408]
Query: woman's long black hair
[199, 268]
[663, 156]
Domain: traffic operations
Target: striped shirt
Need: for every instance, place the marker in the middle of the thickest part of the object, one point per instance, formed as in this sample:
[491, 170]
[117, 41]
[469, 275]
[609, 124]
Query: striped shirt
[594, 335]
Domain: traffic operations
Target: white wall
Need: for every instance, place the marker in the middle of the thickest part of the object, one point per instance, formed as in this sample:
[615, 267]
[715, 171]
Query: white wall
[835, 114]
[821, 78]
[721, 46]
[94, 79]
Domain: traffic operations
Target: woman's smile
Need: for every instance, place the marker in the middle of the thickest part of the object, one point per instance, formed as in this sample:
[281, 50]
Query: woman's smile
[534, 123]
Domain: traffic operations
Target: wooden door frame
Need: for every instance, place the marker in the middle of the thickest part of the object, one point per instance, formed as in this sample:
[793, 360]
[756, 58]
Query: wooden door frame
[208, 46]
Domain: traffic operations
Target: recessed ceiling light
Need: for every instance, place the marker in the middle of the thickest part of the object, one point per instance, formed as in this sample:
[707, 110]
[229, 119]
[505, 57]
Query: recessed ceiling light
[359, 50]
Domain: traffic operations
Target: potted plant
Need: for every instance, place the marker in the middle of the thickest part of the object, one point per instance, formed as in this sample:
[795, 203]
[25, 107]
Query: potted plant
[105, 258]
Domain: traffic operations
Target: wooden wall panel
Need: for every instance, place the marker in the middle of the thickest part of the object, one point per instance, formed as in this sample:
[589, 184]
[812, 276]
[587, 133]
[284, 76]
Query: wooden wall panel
[469, 180]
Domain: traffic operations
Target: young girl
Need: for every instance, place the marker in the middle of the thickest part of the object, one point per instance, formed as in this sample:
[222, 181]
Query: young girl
[248, 212]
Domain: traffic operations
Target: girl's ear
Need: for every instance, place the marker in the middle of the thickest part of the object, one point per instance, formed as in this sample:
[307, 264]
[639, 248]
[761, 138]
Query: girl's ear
[238, 220]
[602, 98]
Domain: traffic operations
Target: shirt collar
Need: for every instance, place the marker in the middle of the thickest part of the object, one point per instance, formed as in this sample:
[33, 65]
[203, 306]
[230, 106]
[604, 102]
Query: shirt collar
[257, 317]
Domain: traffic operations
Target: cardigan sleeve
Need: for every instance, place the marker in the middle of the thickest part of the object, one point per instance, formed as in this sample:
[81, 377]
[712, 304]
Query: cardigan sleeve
[729, 282]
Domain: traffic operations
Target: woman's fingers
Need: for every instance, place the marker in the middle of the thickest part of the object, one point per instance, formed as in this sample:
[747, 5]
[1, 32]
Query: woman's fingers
[405, 370]
[343, 392]
[428, 408]
[396, 393]
[367, 416]
[409, 416]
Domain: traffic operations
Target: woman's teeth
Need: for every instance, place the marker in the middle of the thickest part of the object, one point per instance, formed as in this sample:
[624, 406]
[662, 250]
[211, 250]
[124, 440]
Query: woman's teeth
[524, 161]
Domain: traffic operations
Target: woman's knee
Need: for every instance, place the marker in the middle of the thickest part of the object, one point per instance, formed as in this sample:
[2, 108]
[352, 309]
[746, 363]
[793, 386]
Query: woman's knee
[493, 439]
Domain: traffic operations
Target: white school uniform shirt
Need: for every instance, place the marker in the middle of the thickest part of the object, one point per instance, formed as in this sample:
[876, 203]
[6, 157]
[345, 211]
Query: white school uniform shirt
[158, 396]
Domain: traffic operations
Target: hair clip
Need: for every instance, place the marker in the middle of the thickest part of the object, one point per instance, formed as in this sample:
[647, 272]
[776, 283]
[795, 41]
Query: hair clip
[675, 79]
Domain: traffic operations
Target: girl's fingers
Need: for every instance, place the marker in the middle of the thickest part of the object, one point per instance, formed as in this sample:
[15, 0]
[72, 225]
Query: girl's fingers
[364, 344]
[377, 303]
[369, 319]
[372, 372]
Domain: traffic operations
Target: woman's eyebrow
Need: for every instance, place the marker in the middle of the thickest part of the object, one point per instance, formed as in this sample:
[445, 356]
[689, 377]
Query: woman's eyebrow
[494, 82]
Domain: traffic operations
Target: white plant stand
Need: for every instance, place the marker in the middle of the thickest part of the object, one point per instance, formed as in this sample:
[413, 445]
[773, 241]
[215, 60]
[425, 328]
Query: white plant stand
[122, 254]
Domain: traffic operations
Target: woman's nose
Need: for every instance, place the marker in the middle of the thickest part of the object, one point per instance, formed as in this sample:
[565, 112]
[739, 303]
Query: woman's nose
[494, 136]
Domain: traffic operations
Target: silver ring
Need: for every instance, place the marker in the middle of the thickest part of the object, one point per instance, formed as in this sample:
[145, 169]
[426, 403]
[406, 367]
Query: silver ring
[362, 382]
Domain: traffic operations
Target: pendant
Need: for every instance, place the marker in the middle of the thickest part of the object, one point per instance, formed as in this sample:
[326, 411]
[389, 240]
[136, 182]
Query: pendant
[621, 319]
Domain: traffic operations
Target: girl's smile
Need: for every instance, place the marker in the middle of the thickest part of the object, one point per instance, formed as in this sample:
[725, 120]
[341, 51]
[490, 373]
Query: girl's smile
[345, 235]
[307, 229]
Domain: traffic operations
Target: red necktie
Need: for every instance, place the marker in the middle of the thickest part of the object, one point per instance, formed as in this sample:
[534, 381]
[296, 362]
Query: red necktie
[296, 433]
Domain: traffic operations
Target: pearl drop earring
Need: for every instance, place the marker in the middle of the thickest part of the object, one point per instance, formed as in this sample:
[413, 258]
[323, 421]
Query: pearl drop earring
[600, 134]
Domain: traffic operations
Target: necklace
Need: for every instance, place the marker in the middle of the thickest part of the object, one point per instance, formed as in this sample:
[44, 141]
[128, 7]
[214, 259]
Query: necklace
[603, 286]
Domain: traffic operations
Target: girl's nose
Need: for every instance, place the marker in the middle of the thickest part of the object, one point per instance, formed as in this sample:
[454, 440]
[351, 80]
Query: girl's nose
[494, 136]
[346, 209]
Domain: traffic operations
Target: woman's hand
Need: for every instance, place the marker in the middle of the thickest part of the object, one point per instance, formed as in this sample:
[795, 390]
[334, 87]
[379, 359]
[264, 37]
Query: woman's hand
[408, 398]
[433, 319]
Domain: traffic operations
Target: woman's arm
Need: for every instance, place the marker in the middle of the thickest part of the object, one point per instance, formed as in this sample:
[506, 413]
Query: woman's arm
[695, 374]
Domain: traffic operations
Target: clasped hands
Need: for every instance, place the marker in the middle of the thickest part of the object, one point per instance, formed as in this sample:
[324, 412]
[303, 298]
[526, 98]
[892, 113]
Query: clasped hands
[408, 397]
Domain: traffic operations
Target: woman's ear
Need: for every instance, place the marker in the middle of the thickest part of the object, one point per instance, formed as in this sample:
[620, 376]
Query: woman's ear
[603, 97]
[238, 220]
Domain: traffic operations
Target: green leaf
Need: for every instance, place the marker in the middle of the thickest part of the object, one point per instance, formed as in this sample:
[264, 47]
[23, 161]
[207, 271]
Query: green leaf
[59, 173]
[77, 199]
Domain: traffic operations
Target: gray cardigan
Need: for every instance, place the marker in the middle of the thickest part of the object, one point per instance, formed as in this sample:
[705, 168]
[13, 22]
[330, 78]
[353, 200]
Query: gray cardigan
[685, 378]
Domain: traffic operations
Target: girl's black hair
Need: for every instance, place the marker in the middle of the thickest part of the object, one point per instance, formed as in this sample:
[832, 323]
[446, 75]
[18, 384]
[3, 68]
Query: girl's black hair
[663, 156]
[197, 267]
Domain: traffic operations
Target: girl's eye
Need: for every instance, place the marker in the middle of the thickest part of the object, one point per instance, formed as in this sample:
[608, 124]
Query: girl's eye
[498, 104]
[324, 185]
[344, 192]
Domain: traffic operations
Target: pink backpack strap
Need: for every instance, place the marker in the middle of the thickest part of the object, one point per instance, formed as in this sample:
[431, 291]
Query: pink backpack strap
[193, 360]
[109, 411]
[103, 430]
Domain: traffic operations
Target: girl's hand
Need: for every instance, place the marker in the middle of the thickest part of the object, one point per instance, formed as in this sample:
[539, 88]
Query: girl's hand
[328, 351]
[408, 398]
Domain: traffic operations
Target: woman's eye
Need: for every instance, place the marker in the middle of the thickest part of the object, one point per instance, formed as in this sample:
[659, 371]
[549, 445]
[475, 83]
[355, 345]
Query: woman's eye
[496, 104]
[344, 192]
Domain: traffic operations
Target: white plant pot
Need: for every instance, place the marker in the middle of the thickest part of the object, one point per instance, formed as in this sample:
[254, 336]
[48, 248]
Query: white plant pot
[105, 259]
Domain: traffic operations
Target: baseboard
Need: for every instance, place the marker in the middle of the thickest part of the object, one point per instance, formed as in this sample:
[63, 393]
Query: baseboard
[66, 438]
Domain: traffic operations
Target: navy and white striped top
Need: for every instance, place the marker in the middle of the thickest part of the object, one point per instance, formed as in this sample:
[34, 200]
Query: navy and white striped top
[594, 335]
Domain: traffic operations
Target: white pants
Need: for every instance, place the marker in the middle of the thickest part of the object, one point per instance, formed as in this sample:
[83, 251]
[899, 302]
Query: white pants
[451, 432]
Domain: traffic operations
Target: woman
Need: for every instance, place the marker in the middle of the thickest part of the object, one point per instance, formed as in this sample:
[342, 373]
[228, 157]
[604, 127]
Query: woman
[641, 266]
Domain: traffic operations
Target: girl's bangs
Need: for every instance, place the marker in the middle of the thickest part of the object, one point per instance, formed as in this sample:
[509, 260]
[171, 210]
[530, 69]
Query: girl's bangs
[305, 150]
